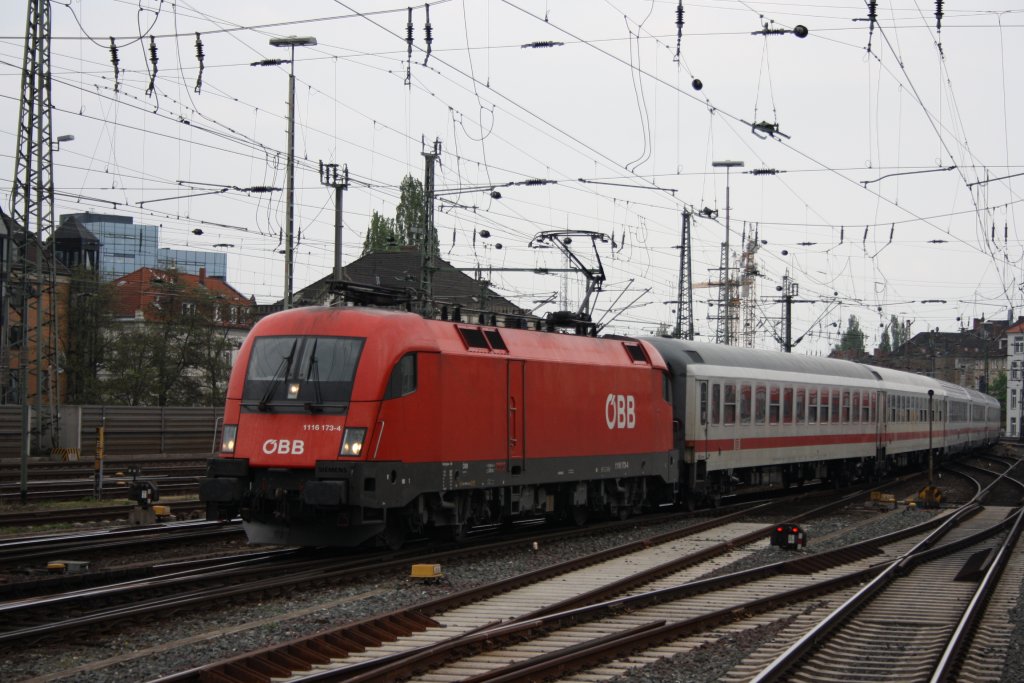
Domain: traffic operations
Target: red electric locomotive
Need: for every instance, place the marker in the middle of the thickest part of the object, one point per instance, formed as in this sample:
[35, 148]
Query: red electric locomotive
[352, 425]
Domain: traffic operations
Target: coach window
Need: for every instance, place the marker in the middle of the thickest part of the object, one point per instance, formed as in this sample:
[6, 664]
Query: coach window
[403, 378]
[855, 412]
[835, 405]
[774, 405]
[812, 406]
[787, 405]
[846, 406]
[759, 405]
[703, 403]
[716, 404]
[823, 406]
[865, 408]
[801, 405]
[745, 403]
[892, 408]
[730, 404]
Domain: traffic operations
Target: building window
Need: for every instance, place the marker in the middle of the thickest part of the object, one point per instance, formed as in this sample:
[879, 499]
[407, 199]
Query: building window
[1013, 399]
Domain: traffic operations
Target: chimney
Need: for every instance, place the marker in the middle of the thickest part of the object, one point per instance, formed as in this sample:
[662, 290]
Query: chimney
[202, 276]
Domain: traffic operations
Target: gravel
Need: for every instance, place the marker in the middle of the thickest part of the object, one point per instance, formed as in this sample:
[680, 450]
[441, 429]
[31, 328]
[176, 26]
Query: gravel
[171, 643]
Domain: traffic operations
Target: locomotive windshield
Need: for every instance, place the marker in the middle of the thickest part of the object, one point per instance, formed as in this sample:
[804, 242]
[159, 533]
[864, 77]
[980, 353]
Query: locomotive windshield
[301, 373]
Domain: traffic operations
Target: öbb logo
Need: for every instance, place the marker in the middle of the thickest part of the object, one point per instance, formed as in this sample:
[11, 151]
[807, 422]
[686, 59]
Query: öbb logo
[284, 447]
[620, 411]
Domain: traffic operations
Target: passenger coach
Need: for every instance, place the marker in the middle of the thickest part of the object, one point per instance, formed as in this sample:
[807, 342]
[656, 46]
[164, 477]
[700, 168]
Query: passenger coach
[753, 417]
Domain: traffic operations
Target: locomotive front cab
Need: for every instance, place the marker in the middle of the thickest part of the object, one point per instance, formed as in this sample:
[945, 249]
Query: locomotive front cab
[295, 408]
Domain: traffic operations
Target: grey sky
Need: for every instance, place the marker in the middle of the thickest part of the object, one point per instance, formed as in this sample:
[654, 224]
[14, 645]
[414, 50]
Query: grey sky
[863, 138]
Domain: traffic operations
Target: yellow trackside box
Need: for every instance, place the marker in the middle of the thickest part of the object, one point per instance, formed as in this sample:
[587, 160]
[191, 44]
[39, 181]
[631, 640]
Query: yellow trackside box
[162, 510]
[426, 571]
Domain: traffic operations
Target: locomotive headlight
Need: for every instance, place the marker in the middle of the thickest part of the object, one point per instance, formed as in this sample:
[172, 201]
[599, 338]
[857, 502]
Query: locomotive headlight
[227, 442]
[293, 390]
[352, 441]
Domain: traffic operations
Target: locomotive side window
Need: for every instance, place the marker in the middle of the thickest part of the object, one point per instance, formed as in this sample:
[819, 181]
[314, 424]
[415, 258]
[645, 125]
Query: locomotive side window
[636, 353]
[730, 404]
[716, 399]
[703, 403]
[473, 338]
[812, 406]
[494, 337]
[666, 387]
[403, 378]
[801, 405]
[760, 407]
[745, 403]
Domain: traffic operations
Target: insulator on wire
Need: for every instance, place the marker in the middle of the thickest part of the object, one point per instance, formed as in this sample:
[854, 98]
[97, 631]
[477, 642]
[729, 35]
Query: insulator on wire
[938, 15]
[152, 60]
[115, 61]
[872, 20]
[408, 42]
[200, 55]
[428, 30]
[679, 28]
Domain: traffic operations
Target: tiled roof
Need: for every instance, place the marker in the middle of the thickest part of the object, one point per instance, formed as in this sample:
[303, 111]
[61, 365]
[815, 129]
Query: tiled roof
[398, 273]
[139, 290]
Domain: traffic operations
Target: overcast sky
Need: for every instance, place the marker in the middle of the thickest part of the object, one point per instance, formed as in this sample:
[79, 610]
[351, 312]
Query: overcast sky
[890, 194]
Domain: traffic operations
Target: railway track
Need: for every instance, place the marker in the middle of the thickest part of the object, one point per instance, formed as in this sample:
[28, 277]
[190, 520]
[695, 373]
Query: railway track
[89, 514]
[605, 618]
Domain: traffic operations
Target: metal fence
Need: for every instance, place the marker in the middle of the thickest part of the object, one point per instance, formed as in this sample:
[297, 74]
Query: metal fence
[129, 430]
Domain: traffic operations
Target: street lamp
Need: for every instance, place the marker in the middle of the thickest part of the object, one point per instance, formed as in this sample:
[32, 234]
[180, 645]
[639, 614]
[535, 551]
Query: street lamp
[290, 42]
[728, 166]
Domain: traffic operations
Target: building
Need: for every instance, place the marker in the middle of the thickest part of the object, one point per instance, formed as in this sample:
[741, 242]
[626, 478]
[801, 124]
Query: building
[1015, 379]
[392, 279]
[126, 246]
[144, 294]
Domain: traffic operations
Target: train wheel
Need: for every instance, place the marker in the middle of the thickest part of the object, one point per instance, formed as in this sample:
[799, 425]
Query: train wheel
[393, 535]
[580, 515]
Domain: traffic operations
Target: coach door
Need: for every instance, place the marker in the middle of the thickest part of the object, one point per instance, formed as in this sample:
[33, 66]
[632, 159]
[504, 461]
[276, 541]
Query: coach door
[881, 420]
[516, 447]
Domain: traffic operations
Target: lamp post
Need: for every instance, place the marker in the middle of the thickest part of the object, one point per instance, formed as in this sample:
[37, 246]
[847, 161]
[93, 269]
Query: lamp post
[728, 166]
[290, 42]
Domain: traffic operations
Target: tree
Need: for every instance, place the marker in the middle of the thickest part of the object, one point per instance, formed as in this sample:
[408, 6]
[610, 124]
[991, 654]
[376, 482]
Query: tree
[884, 345]
[179, 353]
[382, 235]
[852, 341]
[88, 314]
[895, 335]
[411, 216]
[900, 332]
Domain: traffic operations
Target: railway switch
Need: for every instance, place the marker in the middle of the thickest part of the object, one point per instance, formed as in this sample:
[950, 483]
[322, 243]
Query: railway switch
[789, 536]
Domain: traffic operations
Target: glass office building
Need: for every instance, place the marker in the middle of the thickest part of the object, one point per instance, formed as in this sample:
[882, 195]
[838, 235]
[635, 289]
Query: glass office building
[126, 246]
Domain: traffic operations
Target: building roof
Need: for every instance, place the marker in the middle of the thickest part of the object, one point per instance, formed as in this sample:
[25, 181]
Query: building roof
[392, 278]
[141, 290]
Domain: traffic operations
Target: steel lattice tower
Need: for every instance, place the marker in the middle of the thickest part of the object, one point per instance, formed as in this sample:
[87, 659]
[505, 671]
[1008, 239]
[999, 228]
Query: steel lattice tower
[684, 298]
[30, 336]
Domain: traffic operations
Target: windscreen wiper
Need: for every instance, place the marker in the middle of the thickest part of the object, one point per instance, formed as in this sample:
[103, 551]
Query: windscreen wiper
[282, 372]
[314, 376]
